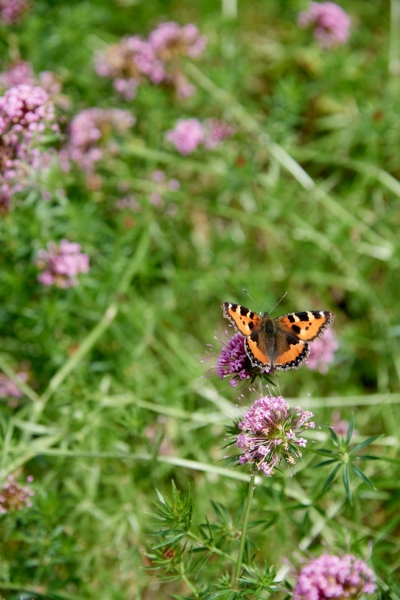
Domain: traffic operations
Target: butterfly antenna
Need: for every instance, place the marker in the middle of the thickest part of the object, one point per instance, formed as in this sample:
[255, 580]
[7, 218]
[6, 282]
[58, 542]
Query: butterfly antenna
[279, 301]
[246, 292]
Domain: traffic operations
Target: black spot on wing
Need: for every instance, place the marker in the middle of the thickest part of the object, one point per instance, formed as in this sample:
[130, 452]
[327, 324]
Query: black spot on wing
[244, 311]
[250, 325]
[303, 316]
[316, 314]
[291, 318]
[296, 328]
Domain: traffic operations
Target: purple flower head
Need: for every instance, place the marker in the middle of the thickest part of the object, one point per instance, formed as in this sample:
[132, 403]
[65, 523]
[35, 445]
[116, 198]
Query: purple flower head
[89, 130]
[233, 361]
[17, 73]
[25, 108]
[61, 264]
[269, 431]
[334, 577]
[14, 496]
[10, 389]
[26, 113]
[216, 131]
[12, 11]
[170, 40]
[186, 136]
[322, 352]
[331, 23]
[127, 63]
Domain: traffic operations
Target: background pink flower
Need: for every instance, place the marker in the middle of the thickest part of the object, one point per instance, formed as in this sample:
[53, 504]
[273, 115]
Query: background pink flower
[331, 23]
[61, 264]
[334, 577]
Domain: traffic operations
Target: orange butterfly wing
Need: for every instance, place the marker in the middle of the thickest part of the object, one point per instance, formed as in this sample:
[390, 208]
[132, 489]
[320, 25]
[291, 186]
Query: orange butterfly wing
[244, 320]
[292, 356]
[308, 325]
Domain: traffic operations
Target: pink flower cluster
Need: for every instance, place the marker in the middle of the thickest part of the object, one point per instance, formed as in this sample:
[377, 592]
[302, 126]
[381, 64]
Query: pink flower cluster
[269, 431]
[9, 388]
[188, 134]
[334, 577]
[62, 263]
[12, 11]
[133, 59]
[89, 130]
[233, 361]
[14, 496]
[26, 113]
[21, 72]
[322, 352]
[331, 23]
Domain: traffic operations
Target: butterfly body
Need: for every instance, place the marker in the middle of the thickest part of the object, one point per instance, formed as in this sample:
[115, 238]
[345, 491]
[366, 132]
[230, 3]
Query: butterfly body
[279, 343]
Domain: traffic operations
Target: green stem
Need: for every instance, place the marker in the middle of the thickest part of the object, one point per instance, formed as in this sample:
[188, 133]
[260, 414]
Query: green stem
[244, 530]
[189, 585]
[209, 547]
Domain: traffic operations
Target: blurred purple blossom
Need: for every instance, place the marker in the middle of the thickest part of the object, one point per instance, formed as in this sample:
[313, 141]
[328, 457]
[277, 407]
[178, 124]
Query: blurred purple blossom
[8, 388]
[269, 431]
[128, 202]
[26, 114]
[127, 62]
[334, 577]
[89, 131]
[14, 496]
[322, 352]
[331, 23]
[169, 40]
[188, 134]
[16, 74]
[340, 426]
[216, 131]
[25, 109]
[61, 264]
[12, 11]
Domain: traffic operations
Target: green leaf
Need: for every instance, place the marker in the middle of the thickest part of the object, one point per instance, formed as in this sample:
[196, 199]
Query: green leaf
[323, 451]
[369, 457]
[364, 444]
[333, 435]
[346, 481]
[362, 476]
[325, 462]
[161, 497]
[330, 478]
[350, 429]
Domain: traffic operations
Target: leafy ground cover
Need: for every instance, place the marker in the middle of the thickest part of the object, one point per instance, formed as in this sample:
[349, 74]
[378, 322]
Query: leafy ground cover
[174, 171]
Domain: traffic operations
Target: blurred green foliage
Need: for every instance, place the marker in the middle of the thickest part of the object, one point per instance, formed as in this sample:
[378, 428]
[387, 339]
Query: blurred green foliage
[303, 199]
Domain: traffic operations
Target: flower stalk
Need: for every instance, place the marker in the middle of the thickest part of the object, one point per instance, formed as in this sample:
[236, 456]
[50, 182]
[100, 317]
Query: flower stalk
[235, 579]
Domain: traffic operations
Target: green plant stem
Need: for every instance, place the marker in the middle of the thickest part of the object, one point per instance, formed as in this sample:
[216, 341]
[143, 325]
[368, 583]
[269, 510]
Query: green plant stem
[244, 530]
[210, 547]
[190, 585]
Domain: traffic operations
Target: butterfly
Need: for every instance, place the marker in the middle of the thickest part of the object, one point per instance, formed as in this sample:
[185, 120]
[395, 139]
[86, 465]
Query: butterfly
[277, 344]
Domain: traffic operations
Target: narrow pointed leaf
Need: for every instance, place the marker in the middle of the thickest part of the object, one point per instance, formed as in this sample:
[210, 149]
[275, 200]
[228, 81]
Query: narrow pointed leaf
[330, 478]
[333, 436]
[364, 444]
[369, 457]
[362, 476]
[350, 429]
[161, 497]
[346, 481]
[325, 462]
[323, 451]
